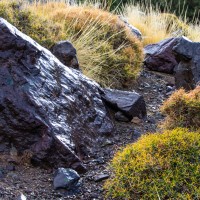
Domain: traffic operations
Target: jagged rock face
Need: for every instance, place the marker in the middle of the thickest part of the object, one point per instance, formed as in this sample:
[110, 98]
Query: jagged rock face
[159, 57]
[45, 107]
[129, 104]
[66, 53]
[187, 72]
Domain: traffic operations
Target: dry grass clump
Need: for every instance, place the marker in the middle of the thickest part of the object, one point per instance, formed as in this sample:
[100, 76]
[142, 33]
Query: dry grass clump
[107, 51]
[156, 25]
[157, 166]
[182, 109]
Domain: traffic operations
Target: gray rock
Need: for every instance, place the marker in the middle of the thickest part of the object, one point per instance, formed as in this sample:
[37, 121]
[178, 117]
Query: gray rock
[65, 178]
[101, 177]
[119, 116]
[55, 112]
[187, 72]
[131, 104]
[21, 197]
[159, 57]
[136, 32]
[66, 53]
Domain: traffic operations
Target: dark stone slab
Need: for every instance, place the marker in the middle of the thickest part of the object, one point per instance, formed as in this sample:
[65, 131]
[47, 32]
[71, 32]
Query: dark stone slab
[187, 72]
[55, 112]
[159, 57]
[131, 104]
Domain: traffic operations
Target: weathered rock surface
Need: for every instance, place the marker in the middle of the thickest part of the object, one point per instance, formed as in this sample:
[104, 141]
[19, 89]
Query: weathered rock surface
[66, 53]
[119, 116]
[187, 72]
[45, 107]
[159, 57]
[65, 178]
[133, 29]
[131, 104]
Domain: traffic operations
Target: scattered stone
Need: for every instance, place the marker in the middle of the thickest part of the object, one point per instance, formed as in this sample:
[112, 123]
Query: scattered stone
[119, 116]
[187, 72]
[3, 147]
[65, 178]
[101, 177]
[21, 197]
[66, 53]
[10, 167]
[40, 101]
[1, 174]
[106, 143]
[169, 88]
[131, 104]
[159, 57]
[136, 32]
[136, 120]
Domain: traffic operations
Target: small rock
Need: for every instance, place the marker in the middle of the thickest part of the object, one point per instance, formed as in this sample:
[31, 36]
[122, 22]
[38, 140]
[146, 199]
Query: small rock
[21, 197]
[65, 178]
[169, 89]
[101, 177]
[136, 120]
[10, 168]
[119, 116]
[106, 143]
[1, 174]
[66, 53]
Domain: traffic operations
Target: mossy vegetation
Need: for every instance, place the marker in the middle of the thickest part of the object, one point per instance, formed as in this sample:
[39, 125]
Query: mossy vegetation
[182, 109]
[107, 51]
[158, 166]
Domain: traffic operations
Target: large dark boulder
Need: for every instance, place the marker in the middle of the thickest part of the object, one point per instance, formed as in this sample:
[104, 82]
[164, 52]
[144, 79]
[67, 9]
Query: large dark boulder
[159, 57]
[45, 107]
[130, 104]
[187, 72]
[66, 53]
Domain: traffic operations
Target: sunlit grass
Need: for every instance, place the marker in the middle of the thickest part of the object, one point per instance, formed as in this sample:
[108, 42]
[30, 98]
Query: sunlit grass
[156, 25]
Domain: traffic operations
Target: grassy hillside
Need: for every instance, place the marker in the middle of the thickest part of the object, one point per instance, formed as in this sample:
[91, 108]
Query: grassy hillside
[107, 51]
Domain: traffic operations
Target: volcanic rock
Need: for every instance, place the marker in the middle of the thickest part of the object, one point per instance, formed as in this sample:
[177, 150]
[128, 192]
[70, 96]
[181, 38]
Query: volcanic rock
[187, 72]
[159, 57]
[53, 111]
[66, 53]
[131, 104]
[65, 178]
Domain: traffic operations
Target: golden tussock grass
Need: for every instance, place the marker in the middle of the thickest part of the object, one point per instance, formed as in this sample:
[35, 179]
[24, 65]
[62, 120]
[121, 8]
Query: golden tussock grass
[156, 25]
[107, 51]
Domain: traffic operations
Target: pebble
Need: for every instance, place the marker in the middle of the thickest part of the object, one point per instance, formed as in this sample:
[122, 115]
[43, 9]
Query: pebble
[101, 177]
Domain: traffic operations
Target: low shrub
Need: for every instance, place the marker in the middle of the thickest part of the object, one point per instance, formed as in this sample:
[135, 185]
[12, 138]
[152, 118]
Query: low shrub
[182, 109]
[157, 166]
[107, 51]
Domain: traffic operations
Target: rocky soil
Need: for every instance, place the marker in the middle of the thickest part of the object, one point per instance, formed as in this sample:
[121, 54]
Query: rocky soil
[36, 183]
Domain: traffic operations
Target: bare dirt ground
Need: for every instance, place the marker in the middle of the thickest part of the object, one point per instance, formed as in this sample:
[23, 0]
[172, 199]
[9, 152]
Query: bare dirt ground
[37, 184]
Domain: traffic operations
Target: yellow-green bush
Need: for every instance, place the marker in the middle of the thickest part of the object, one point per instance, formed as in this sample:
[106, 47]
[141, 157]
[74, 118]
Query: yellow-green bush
[107, 51]
[182, 109]
[158, 166]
